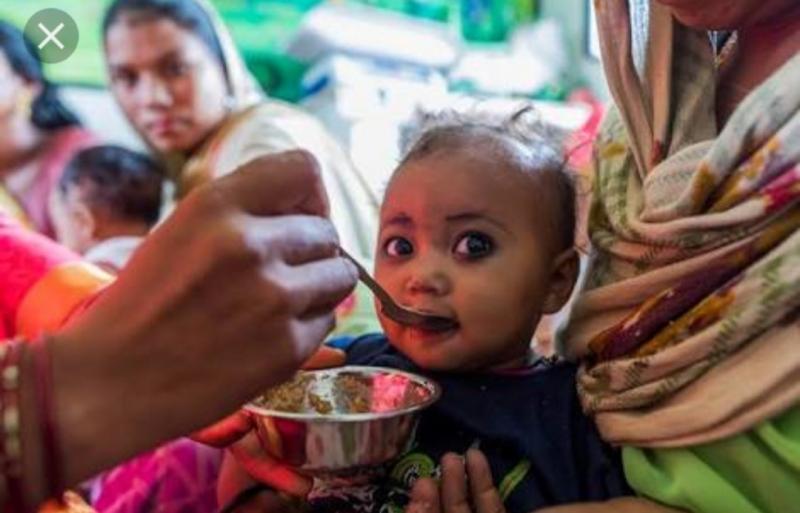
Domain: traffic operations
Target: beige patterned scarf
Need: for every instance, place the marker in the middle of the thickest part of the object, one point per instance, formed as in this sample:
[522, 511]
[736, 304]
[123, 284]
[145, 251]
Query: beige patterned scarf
[687, 321]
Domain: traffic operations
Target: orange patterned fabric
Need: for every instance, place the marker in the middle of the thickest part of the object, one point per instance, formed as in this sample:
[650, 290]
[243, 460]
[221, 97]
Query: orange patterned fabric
[57, 296]
[41, 282]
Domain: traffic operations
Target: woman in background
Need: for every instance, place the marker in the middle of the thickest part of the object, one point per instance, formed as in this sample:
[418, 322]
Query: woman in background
[182, 84]
[40, 134]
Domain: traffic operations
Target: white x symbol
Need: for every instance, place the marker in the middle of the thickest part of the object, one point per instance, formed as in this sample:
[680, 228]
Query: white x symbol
[51, 36]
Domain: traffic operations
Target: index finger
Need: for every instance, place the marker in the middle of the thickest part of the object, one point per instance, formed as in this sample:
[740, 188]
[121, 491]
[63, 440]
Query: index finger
[279, 183]
[226, 431]
[455, 498]
[485, 496]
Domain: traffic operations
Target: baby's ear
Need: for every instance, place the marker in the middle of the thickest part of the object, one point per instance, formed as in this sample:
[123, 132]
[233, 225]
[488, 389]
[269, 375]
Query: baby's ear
[563, 275]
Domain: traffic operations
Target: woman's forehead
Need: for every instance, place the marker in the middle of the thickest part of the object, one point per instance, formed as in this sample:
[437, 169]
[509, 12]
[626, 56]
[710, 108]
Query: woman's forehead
[133, 41]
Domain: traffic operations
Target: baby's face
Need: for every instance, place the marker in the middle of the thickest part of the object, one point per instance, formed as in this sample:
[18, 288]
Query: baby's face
[463, 239]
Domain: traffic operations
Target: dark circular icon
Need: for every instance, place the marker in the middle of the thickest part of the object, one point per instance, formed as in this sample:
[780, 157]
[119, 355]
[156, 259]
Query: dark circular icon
[54, 33]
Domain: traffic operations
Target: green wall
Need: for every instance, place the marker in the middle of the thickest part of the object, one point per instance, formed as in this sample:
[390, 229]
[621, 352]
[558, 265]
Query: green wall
[262, 27]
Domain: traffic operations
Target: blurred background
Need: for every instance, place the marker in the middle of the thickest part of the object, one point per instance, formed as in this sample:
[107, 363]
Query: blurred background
[365, 66]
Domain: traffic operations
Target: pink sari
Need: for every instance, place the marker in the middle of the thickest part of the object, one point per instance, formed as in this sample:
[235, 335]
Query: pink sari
[179, 477]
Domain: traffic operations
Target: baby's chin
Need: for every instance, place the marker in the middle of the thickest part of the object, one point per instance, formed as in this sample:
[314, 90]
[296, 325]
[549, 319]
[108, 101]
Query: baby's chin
[448, 362]
[437, 351]
[435, 362]
[451, 353]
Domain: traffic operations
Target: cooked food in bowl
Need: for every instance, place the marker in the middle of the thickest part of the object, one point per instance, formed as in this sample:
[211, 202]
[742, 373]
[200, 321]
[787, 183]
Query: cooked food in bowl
[343, 392]
[341, 422]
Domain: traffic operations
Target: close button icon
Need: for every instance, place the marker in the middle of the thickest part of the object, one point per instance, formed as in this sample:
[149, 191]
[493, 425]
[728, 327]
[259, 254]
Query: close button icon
[54, 33]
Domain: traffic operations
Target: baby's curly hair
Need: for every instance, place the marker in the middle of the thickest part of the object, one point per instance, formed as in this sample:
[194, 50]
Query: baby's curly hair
[522, 141]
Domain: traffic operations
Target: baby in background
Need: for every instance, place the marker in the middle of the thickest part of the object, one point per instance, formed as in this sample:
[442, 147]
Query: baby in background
[107, 200]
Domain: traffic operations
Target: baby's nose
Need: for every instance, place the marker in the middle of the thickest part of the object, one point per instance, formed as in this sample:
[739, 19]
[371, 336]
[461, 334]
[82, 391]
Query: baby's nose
[432, 282]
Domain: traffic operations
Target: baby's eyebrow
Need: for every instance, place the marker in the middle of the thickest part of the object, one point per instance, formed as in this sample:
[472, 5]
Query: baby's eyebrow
[476, 216]
[401, 219]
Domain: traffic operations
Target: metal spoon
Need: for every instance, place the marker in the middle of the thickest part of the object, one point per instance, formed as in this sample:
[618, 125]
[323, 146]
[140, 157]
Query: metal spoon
[394, 311]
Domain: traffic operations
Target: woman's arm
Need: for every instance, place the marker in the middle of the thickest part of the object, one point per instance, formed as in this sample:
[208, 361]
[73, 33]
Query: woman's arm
[220, 302]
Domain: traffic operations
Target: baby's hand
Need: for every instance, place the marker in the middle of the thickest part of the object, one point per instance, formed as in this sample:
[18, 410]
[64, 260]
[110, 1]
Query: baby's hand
[466, 487]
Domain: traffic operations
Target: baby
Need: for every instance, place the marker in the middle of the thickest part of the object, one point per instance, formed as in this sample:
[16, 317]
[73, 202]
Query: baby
[107, 200]
[477, 225]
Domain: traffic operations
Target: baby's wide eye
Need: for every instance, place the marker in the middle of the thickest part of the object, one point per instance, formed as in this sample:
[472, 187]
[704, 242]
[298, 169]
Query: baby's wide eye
[473, 245]
[398, 247]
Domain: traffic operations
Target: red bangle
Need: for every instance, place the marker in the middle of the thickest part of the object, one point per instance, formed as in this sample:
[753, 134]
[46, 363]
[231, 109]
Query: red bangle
[11, 354]
[47, 417]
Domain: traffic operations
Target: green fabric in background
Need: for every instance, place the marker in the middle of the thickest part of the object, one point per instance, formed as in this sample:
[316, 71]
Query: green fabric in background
[755, 472]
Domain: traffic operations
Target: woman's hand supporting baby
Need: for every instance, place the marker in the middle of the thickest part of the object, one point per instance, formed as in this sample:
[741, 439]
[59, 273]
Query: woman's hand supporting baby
[466, 487]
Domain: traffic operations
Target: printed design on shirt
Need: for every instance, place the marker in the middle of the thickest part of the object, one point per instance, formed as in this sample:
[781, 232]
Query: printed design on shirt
[393, 507]
[393, 496]
[416, 465]
[510, 482]
[411, 467]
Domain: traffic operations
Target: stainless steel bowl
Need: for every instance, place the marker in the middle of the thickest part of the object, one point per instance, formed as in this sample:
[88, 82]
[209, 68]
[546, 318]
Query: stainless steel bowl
[343, 444]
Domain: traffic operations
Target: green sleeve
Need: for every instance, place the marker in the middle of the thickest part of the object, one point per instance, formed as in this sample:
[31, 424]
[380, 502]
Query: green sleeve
[754, 472]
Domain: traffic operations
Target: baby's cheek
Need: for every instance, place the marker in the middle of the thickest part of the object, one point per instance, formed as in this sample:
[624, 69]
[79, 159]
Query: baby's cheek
[501, 305]
[389, 328]
[480, 311]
